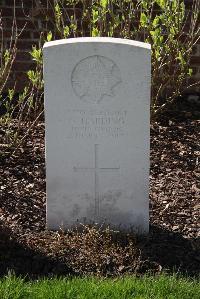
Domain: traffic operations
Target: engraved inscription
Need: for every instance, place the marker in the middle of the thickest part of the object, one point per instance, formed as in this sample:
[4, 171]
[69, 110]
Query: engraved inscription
[96, 170]
[95, 77]
[96, 123]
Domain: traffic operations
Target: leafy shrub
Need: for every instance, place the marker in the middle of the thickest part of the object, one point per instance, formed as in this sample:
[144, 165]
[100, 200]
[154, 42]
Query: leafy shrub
[28, 105]
[171, 30]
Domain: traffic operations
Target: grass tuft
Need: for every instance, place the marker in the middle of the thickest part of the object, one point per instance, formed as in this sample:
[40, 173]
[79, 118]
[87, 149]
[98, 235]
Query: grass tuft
[157, 287]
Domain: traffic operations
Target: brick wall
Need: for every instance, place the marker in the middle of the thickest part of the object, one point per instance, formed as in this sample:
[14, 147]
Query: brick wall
[30, 15]
[31, 25]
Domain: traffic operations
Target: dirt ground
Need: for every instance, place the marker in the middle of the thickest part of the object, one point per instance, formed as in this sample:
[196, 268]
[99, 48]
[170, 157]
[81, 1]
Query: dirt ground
[173, 243]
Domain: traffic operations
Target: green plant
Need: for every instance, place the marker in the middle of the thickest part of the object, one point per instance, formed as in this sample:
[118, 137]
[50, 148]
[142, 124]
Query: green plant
[12, 287]
[171, 30]
[8, 54]
[36, 84]
[26, 106]
[31, 100]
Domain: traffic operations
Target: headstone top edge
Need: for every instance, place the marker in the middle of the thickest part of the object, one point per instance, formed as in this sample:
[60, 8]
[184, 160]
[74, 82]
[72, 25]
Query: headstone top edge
[107, 40]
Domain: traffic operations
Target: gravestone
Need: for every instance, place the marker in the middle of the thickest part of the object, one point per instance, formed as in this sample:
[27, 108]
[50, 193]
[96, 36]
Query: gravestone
[97, 99]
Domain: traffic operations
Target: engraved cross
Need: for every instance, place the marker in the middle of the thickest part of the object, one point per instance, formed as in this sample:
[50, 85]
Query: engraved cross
[96, 170]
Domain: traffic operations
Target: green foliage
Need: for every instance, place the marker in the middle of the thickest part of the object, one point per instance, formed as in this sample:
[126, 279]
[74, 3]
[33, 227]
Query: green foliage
[6, 61]
[28, 105]
[49, 36]
[37, 53]
[104, 3]
[158, 22]
[36, 76]
[66, 31]
[12, 287]
[6, 56]
[143, 20]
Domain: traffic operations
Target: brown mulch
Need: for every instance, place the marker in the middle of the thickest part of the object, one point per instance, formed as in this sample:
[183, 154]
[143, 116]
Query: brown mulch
[173, 243]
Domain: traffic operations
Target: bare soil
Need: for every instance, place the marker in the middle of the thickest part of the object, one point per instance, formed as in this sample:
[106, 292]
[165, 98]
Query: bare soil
[173, 243]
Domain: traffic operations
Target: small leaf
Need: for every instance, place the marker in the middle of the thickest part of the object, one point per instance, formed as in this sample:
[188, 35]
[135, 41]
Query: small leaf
[156, 21]
[30, 102]
[10, 94]
[162, 3]
[58, 10]
[36, 54]
[190, 71]
[49, 36]
[6, 56]
[73, 27]
[172, 30]
[181, 58]
[95, 32]
[104, 3]
[95, 15]
[66, 31]
[143, 19]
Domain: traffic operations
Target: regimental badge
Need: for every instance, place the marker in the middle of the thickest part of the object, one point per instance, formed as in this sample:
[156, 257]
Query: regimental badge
[94, 78]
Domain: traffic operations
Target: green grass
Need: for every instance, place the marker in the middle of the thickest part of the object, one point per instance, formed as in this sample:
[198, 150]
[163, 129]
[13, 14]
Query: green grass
[166, 287]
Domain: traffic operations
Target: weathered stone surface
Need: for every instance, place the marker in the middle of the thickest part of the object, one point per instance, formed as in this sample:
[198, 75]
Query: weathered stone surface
[97, 98]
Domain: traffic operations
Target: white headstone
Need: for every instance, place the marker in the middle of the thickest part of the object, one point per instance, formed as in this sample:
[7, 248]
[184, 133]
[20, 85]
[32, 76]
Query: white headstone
[97, 100]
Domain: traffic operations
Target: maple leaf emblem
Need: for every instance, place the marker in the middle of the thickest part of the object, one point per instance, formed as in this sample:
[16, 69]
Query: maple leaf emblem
[95, 77]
